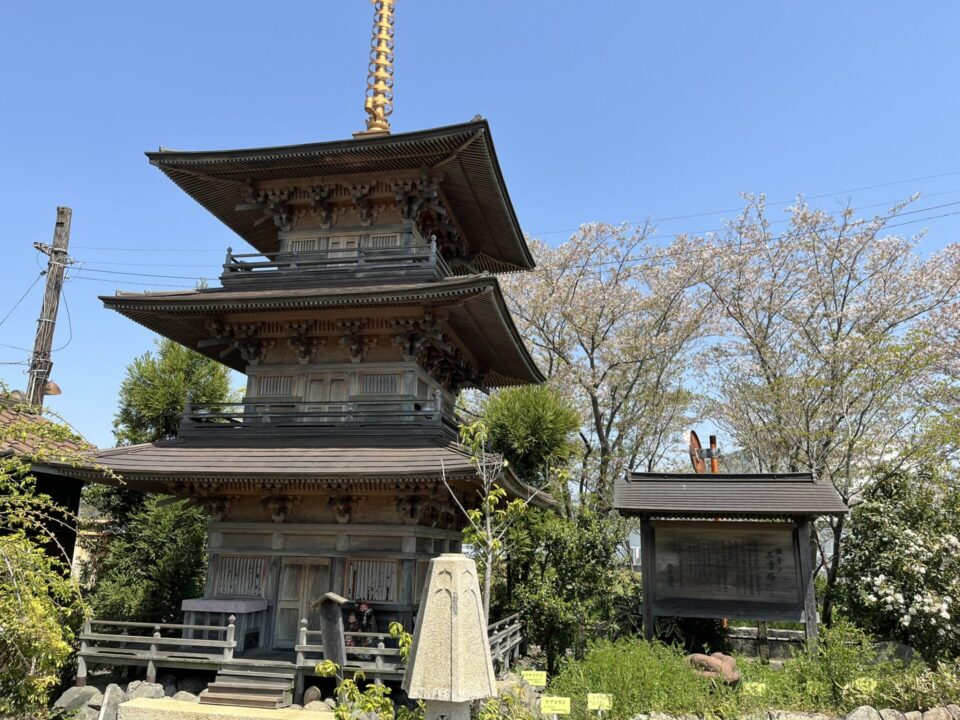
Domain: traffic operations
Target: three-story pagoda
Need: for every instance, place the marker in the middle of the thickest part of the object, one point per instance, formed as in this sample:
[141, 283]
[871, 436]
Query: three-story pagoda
[369, 302]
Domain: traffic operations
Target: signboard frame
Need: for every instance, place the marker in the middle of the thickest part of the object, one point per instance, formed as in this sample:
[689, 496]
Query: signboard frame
[657, 601]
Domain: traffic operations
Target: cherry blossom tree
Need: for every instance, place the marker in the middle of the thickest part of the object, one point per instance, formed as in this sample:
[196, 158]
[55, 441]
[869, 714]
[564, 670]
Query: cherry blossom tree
[837, 349]
[612, 319]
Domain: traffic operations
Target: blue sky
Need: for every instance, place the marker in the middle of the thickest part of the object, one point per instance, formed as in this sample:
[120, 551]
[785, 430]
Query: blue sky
[605, 110]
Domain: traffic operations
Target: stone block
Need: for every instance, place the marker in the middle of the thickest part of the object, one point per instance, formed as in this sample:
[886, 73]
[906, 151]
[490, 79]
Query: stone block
[169, 709]
[312, 694]
[141, 689]
[890, 714]
[184, 696]
[864, 712]
[954, 710]
[450, 657]
[79, 697]
[112, 697]
[913, 715]
[937, 713]
[792, 715]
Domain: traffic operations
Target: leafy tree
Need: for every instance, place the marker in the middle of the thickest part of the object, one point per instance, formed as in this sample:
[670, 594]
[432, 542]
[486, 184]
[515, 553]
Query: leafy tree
[154, 555]
[831, 356]
[40, 605]
[612, 318]
[900, 576]
[158, 386]
[532, 427]
[490, 520]
[566, 577]
[153, 563]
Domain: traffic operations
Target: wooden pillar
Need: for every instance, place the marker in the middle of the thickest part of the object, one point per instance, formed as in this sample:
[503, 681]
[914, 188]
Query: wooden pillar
[151, 663]
[763, 644]
[331, 629]
[647, 569]
[807, 585]
[81, 660]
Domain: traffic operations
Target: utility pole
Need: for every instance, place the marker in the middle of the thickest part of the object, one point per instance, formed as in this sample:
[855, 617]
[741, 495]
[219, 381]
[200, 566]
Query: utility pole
[40, 362]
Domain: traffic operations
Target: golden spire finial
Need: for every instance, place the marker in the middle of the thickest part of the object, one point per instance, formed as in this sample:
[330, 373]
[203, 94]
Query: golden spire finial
[379, 102]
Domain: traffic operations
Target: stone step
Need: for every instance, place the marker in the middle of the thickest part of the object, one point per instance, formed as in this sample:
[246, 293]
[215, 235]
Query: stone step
[249, 672]
[240, 699]
[229, 684]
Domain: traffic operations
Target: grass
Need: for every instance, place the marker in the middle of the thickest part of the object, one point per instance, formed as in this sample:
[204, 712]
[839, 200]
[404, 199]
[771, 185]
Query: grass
[644, 677]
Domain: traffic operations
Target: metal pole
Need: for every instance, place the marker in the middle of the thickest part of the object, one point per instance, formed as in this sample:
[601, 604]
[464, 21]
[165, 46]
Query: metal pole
[40, 362]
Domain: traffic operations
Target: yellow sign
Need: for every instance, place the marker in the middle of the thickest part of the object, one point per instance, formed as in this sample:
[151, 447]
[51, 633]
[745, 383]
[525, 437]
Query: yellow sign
[599, 701]
[554, 705]
[535, 678]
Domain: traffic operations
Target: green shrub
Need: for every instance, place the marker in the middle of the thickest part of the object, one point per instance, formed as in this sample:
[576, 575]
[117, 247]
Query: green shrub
[644, 677]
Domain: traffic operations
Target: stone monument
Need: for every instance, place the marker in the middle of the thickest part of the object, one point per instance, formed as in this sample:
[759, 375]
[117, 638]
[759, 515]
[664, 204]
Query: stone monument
[450, 664]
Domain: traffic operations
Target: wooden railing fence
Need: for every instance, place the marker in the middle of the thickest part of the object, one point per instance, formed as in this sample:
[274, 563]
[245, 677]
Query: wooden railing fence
[125, 648]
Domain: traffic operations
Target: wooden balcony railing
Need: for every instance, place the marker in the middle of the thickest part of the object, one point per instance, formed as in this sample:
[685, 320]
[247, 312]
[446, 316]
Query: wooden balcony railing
[320, 267]
[152, 645]
[266, 417]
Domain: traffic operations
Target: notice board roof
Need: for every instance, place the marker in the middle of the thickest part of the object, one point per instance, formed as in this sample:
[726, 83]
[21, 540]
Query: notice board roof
[759, 495]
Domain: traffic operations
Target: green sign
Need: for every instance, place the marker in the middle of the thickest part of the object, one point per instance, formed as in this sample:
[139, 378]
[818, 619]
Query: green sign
[599, 701]
[552, 705]
[534, 678]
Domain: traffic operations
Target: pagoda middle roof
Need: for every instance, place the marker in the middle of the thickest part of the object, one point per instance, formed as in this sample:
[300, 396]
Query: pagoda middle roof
[472, 183]
[474, 305]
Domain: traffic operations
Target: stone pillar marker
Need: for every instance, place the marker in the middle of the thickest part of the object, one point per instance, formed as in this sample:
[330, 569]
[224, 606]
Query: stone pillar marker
[450, 664]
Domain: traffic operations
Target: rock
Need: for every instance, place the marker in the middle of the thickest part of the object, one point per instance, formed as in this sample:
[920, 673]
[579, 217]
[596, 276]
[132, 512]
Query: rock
[294, 706]
[169, 683]
[657, 715]
[140, 689]
[112, 697]
[954, 710]
[79, 697]
[888, 714]
[90, 713]
[789, 715]
[331, 703]
[864, 712]
[184, 696]
[311, 694]
[913, 715]
[717, 665]
[192, 684]
[316, 705]
[937, 713]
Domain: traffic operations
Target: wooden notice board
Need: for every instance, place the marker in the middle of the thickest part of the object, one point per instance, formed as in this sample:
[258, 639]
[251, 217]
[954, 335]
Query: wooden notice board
[749, 570]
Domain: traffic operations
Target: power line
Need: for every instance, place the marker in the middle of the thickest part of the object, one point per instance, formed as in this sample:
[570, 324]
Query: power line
[66, 306]
[128, 282]
[775, 204]
[667, 254]
[140, 274]
[22, 297]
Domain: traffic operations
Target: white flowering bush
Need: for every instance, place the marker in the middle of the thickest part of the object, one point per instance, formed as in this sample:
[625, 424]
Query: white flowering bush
[901, 575]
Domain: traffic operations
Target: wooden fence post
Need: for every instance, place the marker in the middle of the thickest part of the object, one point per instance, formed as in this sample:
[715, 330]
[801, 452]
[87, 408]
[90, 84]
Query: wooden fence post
[301, 661]
[82, 661]
[151, 663]
[648, 571]
[231, 642]
[378, 664]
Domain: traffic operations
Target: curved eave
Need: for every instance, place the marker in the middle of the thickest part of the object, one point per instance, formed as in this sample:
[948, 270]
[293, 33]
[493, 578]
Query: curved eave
[473, 181]
[477, 311]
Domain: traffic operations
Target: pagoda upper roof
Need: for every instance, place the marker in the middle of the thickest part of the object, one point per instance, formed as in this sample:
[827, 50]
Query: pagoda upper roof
[472, 183]
[474, 307]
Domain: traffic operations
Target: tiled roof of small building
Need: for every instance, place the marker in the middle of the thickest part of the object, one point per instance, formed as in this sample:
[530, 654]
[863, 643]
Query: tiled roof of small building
[15, 438]
[726, 495]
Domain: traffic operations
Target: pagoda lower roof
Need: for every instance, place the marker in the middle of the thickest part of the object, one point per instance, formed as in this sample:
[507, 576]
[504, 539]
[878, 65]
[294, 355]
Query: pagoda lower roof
[186, 466]
[472, 182]
[475, 309]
